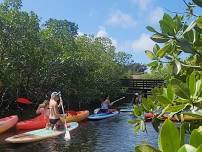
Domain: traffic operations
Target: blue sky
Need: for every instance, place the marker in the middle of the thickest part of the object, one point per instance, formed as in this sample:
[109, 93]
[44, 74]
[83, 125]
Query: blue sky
[123, 21]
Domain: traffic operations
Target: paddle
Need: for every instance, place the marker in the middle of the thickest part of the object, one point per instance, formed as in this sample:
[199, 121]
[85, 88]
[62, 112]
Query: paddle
[67, 134]
[23, 101]
[96, 110]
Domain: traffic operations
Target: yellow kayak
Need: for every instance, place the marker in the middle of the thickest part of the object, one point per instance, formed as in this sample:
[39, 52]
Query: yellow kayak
[76, 116]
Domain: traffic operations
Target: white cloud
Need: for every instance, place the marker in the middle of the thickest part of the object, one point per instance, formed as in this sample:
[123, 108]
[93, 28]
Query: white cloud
[143, 43]
[80, 33]
[142, 4]
[114, 42]
[119, 18]
[156, 15]
[102, 33]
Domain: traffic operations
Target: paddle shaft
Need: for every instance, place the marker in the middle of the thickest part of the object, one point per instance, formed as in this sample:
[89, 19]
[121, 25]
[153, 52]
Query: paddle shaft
[67, 131]
[117, 100]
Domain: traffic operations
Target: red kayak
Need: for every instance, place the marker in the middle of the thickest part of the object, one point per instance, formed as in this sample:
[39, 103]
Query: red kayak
[32, 124]
[40, 121]
[7, 123]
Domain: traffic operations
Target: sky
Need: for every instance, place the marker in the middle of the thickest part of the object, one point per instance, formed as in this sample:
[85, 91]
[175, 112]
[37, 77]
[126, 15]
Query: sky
[123, 21]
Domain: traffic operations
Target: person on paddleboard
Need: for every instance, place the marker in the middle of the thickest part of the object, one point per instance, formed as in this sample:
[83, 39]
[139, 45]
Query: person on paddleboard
[54, 115]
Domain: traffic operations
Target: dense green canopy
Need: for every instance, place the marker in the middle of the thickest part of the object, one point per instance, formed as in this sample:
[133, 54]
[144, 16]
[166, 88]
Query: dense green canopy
[36, 58]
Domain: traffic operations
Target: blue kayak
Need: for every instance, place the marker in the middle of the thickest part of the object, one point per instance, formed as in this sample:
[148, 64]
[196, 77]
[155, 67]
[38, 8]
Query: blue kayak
[40, 134]
[100, 116]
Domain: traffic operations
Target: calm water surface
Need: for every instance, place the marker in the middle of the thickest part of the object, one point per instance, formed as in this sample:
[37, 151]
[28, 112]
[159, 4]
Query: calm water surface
[109, 135]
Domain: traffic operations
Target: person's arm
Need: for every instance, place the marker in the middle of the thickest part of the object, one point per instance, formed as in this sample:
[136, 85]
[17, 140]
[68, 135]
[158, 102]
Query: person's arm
[38, 109]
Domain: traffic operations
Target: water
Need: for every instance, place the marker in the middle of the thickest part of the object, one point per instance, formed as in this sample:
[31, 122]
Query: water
[109, 135]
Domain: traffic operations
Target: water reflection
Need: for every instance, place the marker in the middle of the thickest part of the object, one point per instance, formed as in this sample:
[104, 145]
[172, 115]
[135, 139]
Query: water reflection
[111, 135]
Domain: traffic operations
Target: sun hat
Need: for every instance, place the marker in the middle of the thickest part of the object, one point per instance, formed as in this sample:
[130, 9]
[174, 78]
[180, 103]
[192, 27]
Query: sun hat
[54, 94]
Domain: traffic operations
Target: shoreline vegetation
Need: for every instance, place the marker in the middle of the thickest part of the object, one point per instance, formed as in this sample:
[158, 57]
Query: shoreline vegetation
[38, 57]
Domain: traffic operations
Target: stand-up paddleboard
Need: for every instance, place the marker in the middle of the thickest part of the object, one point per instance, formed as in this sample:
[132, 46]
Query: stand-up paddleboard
[37, 135]
[7, 123]
[100, 116]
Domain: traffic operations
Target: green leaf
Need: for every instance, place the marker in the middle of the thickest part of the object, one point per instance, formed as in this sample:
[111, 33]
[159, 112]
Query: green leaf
[170, 92]
[151, 29]
[196, 137]
[192, 83]
[145, 148]
[181, 89]
[182, 134]
[165, 50]
[167, 25]
[177, 67]
[199, 22]
[185, 45]
[147, 104]
[199, 149]
[156, 48]
[169, 138]
[163, 100]
[176, 108]
[161, 53]
[187, 148]
[153, 64]
[159, 38]
[137, 111]
[198, 87]
[198, 2]
[150, 54]
[134, 121]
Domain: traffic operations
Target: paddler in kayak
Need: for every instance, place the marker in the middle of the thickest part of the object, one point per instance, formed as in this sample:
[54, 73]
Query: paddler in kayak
[105, 105]
[54, 116]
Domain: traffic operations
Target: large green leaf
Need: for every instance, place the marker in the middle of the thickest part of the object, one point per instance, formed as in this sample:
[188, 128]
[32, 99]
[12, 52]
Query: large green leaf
[187, 148]
[198, 2]
[185, 45]
[192, 83]
[198, 88]
[199, 22]
[167, 25]
[159, 38]
[166, 49]
[181, 89]
[175, 108]
[163, 100]
[170, 92]
[199, 149]
[137, 111]
[147, 104]
[145, 148]
[196, 137]
[182, 134]
[153, 64]
[169, 138]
